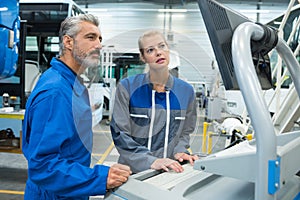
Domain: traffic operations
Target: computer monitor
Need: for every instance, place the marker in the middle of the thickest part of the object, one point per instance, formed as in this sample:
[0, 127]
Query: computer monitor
[220, 23]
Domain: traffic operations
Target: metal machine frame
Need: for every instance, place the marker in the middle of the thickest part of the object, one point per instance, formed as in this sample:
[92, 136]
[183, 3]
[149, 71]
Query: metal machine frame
[275, 160]
[263, 169]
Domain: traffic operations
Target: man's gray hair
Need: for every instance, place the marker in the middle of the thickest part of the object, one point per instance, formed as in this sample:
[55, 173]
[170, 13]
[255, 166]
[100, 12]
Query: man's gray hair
[71, 26]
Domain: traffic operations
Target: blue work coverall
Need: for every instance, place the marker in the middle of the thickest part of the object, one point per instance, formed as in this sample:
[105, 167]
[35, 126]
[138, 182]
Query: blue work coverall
[58, 139]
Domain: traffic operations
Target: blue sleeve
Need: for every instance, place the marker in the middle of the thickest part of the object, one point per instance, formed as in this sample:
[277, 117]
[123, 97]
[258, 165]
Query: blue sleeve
[57, 160]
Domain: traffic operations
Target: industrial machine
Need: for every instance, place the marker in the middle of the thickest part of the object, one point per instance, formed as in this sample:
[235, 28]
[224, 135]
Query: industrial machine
[264, 168]
[10, 49]
[11, 74]
[12, 62]
[9, 37]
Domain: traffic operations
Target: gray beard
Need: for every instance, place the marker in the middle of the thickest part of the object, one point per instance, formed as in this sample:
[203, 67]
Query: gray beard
[86, 62]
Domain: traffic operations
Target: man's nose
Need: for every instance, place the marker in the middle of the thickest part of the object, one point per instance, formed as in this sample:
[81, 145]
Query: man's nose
[99, 44]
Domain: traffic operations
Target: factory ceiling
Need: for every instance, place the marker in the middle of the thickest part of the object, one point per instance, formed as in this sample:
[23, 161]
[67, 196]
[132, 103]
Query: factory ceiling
[183, 2]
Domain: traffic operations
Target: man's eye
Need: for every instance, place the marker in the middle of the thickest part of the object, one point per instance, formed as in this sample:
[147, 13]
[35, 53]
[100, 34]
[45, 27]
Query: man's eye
[91, 37]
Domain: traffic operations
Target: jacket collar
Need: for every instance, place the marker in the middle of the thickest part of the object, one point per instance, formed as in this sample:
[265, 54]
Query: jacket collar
[74, 79]
[169, 84]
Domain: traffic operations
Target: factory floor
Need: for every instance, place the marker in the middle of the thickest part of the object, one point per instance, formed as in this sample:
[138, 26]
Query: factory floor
[13, 166]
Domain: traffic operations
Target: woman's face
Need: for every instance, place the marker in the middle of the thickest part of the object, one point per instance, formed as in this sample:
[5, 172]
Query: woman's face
[156, 52]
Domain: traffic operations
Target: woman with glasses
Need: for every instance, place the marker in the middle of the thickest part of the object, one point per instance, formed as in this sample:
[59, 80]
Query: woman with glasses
[154, 113]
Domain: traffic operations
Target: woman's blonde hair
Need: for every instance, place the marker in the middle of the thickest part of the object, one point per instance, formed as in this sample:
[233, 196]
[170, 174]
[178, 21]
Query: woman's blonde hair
[148, 34]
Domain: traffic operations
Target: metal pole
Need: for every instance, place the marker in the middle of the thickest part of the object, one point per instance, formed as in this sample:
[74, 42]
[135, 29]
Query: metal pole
[204, 136]
[258, 10]
[256, 106]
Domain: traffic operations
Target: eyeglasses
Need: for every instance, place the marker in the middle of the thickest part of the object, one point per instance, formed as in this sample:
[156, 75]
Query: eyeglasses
[161, 46]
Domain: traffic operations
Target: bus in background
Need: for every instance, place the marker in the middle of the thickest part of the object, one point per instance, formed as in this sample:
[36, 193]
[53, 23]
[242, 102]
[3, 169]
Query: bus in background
[43, 22]
[43, 19]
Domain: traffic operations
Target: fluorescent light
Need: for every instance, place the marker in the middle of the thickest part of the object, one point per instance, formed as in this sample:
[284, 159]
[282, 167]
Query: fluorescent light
[172, 10]
[134, 10]
[173, 15]
[255, 11]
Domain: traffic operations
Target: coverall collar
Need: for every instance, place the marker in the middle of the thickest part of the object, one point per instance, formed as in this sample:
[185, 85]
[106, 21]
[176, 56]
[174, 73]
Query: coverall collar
[74, 79]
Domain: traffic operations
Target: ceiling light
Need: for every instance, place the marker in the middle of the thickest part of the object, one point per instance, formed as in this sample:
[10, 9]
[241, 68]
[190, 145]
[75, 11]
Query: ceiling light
[172, 10]
[255, 11]
[173, 15]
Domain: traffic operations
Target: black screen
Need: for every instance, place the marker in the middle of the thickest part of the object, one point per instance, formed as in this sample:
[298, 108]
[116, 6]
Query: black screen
[220, 23]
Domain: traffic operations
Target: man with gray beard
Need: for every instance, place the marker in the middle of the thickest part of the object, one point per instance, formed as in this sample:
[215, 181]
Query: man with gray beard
[57, 128]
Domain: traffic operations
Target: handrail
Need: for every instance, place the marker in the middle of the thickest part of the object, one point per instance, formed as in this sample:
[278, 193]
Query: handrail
[257, 108]
[266, 143]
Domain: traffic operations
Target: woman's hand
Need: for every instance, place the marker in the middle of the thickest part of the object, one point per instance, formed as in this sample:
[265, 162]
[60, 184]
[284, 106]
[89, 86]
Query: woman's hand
[183, 156]
[166, 164]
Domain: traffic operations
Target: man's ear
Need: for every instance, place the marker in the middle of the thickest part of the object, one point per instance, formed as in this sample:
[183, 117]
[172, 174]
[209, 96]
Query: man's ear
[68, 42]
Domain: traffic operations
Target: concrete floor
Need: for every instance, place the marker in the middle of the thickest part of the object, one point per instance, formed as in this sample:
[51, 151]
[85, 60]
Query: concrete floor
[13, 167]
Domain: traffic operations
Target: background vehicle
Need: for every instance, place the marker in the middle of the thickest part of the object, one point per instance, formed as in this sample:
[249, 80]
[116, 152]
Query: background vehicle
[42, 43]
[29, 39]
[10, 47]
[9, 34]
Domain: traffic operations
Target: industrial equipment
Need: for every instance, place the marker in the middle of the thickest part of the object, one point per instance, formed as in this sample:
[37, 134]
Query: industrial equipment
[263, 169]
[9, 37]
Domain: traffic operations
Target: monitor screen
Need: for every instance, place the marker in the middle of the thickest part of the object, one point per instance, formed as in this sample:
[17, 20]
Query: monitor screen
[220, 23]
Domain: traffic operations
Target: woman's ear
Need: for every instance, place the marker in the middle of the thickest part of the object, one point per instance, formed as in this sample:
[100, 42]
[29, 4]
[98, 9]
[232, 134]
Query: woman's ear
[142, 58]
